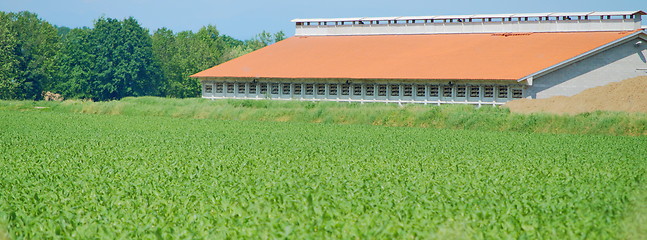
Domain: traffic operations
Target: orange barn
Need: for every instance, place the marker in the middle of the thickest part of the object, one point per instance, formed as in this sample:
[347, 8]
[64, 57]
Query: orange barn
[468, 59]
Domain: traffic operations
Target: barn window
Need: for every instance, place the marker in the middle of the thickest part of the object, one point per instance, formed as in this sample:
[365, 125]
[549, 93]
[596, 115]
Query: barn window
[208, 88]
[321, 89]
[332, 89]
[345, 89]
[286, 89]
[503, 92]
[357, 89]
[219, 88]
[475, 91]
[252, 88]
[408, 90]
[297, 89]
[460, 91]
[420, 90]
[489, 91]
[395, 90]
[370, 90]
[275, 88]
[241, 88]
[433, 91]
[263, 88]
[381, 90]
[517, 93]
[309, 89]
[447, 91]
[230, 88]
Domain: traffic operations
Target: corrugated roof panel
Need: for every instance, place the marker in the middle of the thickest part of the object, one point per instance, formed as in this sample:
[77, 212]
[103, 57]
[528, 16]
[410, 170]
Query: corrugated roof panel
[326, 20]
[531, 14]
[416, 18]
[472, 16]
[492, 15]
[380, 18]
[617, 13]
[434, 56]
[570, 14]
[453, 17]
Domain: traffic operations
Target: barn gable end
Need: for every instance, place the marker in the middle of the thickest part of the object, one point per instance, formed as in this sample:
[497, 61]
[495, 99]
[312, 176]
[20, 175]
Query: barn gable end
[622, 60]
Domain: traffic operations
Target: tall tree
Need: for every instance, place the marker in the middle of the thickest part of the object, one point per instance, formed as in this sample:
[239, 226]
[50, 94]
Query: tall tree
[234, 48]
[264, 39]
[279, 36]
[164, 51]
[111, 61]
[186, 53]
[137, 74]
[9, 85]
[77, 68]
[36, 45]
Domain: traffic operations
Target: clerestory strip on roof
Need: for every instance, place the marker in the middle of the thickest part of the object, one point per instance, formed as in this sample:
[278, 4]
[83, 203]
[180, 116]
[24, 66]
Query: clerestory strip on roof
[477, 16]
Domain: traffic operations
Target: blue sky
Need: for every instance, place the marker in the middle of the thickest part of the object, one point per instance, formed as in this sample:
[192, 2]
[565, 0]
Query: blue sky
[243, 19]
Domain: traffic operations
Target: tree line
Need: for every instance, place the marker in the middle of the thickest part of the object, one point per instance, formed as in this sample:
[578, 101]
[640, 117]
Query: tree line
[111, 60]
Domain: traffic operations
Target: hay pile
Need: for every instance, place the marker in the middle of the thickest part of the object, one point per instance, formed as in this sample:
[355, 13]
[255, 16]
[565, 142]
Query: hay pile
[626, 96]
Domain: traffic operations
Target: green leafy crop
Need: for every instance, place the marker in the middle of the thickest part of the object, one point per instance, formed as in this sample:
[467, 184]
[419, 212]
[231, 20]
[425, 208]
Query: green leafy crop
[65, 175]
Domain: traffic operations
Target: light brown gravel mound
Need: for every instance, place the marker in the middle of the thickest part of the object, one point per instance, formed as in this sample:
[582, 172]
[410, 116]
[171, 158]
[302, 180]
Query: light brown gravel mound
[626, 96]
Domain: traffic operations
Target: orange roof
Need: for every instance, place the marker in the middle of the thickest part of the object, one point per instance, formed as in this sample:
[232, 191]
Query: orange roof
[434, 56]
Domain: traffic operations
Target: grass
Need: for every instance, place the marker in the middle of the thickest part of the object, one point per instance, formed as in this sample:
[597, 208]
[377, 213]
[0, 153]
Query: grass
[446, 116]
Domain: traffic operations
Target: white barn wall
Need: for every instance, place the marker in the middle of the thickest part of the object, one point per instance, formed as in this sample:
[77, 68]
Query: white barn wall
[424, 92]
[612, 65]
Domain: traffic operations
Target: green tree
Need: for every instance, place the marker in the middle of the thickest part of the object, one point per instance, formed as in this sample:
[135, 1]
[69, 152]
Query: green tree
[279, 36]
[34, 50]
[234, 48]
[185, 53]
[164, 51]
[62, 31]
[137, 74]
[264, 39]
[77, 65]
[259, 41]
[9, 86]
[111, 61]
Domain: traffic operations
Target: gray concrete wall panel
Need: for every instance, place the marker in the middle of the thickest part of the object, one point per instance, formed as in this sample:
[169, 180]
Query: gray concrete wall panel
[612, 65]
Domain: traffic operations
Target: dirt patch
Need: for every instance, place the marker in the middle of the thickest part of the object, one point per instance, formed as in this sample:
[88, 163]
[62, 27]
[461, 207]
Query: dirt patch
[626, 96]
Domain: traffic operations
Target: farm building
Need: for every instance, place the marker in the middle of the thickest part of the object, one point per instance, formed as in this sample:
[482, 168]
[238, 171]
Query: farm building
[469, 59]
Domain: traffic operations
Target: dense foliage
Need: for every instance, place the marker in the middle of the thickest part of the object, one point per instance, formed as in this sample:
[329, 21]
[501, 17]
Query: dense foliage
[111, 60]
[28, 50]
[67, 175]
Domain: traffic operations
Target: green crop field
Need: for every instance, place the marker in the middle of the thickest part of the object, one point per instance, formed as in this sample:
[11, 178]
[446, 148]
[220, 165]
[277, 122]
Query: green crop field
[69, 175]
